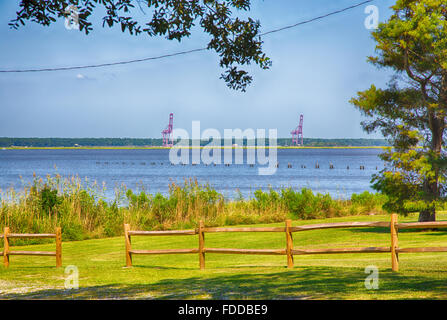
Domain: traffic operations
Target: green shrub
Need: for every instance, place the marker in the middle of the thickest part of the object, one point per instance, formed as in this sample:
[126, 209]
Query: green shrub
[48, 200]
[369, 202]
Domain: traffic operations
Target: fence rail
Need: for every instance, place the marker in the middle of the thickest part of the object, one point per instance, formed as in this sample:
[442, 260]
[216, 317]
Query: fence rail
[422, 225]
[393, 225]
[7, 252]
[340, 225]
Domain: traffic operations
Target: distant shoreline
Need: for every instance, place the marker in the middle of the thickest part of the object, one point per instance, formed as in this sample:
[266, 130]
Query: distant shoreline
[185, 147]
[156, 143]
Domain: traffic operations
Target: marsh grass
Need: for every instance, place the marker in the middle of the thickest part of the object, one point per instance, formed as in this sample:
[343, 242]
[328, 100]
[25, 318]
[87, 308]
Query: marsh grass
[81, 209]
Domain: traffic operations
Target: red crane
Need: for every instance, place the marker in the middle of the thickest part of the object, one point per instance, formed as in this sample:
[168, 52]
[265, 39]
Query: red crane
[297, 134]
[168, 140]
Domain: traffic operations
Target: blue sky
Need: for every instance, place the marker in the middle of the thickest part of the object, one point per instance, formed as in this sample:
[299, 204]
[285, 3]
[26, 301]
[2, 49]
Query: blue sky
[316, 69]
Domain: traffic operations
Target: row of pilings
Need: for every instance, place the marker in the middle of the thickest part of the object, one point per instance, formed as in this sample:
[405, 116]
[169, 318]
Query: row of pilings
[289, 165]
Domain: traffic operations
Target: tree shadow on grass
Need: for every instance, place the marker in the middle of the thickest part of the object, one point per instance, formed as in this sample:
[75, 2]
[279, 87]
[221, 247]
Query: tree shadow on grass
[143, 266]
[369, 230]
[299, 283]
[439, 232]
[436, 232]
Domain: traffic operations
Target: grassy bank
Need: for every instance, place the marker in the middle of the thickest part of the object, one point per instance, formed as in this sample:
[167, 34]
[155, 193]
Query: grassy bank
[80, 209]
[102, 273]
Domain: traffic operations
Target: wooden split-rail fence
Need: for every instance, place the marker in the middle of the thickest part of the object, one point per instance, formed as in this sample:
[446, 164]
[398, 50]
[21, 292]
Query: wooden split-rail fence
[7, 235]
[289, 251]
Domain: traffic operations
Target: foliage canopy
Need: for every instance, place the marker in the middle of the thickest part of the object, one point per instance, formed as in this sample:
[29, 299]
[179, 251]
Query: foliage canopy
[411, 111]
[236, 40]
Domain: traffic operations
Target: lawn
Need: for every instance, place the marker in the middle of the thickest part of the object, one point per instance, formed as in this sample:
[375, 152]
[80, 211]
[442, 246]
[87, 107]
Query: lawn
[103, 275]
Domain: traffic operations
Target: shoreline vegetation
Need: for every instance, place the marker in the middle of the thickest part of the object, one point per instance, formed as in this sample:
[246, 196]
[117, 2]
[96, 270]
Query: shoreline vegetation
[155, 143]
[80, 208]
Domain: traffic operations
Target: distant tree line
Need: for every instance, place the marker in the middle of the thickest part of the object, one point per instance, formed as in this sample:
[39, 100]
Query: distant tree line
[71, 142]
[152, 142]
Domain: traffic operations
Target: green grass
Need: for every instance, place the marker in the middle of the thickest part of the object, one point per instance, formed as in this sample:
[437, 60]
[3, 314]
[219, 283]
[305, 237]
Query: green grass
[102, 273]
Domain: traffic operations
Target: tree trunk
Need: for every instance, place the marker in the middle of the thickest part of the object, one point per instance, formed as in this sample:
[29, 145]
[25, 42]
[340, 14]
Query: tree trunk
[427, 215]
[436, 125]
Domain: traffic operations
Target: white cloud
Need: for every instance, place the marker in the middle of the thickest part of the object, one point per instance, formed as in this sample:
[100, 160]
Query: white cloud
[80, 76]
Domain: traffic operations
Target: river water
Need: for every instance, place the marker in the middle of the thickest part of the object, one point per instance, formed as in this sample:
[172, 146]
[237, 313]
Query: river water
[151, 169]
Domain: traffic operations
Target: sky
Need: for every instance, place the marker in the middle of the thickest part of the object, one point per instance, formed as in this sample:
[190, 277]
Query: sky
[317, 68]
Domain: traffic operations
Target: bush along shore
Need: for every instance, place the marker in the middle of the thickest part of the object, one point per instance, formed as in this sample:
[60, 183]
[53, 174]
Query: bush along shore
[81, 210]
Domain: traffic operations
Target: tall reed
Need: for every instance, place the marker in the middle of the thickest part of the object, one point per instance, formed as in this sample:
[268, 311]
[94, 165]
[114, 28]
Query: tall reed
[83, 212]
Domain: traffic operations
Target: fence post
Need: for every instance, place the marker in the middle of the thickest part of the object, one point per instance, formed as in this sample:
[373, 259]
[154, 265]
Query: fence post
[289, 246]
[394, 243]
[6, 247]
[201, 245]
[128, 245]
[58, 247]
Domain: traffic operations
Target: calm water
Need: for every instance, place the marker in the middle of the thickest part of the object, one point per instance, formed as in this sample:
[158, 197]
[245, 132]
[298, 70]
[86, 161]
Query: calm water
[151, 169]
